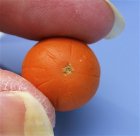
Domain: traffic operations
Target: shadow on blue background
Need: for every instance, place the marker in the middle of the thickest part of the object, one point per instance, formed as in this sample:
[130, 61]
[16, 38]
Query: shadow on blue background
[115, 110]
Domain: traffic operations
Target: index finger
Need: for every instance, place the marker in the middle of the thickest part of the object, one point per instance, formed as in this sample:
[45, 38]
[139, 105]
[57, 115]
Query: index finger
[87, 20]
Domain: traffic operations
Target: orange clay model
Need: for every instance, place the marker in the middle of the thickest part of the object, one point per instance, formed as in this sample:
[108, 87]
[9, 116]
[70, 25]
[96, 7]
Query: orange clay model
[65, 70]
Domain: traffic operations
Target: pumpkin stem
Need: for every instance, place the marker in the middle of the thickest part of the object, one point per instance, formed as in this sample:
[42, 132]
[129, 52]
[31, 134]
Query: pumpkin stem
[68, 69]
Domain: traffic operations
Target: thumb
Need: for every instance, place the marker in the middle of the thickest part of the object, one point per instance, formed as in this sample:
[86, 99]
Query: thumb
[22, 115]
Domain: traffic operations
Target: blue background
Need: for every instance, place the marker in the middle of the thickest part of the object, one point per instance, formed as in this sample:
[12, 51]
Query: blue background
[115, 110]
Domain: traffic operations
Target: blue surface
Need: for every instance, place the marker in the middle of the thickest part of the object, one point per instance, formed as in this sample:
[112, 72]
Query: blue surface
[115, 110]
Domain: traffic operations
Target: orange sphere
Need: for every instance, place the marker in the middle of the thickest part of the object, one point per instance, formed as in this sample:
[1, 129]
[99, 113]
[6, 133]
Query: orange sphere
[65, 70]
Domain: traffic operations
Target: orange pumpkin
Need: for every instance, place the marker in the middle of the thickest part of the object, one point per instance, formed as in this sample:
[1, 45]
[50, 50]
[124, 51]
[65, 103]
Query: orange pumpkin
[65, 70]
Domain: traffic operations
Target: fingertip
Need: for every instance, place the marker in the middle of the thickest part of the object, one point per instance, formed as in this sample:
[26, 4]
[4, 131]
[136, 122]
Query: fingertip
[88, 21]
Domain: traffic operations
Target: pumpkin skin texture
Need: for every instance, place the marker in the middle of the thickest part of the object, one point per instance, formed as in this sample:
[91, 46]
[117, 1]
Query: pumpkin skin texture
[65, 70]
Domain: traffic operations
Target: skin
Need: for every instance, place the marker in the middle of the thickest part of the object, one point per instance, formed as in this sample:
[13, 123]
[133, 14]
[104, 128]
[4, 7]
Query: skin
[22, 115]
[11, 118]
[10, 81]
[86, 20]
[13, 108]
